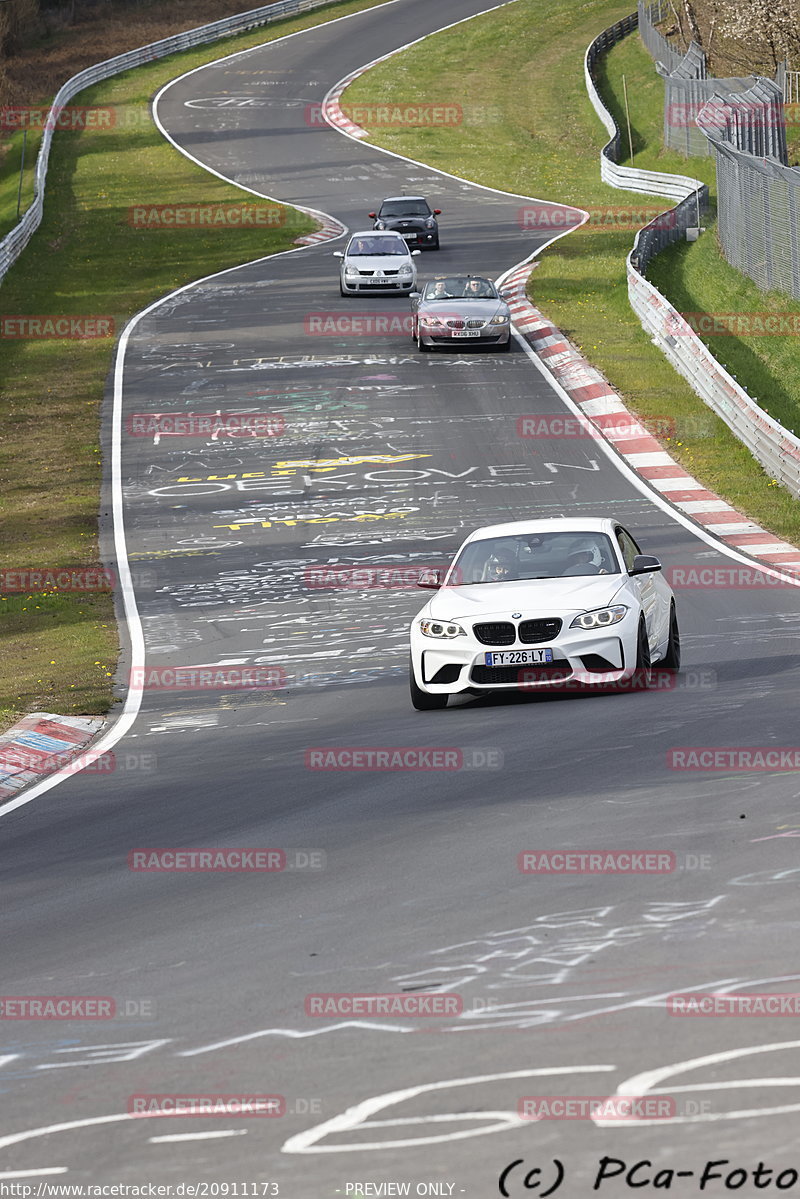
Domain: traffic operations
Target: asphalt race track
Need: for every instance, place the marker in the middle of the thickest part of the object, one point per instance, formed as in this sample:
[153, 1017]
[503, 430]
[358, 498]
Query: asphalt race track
[400, 881]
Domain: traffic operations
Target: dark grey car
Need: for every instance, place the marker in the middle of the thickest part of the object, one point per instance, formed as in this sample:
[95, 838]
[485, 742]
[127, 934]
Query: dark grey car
[411, 217]
[460, 310]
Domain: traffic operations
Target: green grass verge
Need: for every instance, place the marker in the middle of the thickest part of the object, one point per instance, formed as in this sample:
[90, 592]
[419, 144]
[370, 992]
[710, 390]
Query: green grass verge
[15, 199]
[529, 128]
[57, 649]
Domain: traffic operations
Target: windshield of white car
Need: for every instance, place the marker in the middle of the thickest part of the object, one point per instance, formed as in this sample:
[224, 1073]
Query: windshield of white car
[462, 287]
[405, 208]
[369, 247]
[530, 556]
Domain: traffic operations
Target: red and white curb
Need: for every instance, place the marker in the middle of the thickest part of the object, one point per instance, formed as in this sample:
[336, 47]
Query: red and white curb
[332, 111]
[644, 453]
[39, 744]
[330, 228]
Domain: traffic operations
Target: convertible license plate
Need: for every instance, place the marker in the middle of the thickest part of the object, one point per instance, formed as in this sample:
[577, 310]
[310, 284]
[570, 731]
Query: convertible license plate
[409, 236]
[519, 657]
[466, 333]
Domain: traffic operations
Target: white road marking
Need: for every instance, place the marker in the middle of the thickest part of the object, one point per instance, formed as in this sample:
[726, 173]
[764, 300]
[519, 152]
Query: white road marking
[34, 1173]
[29, 1134]
[355, 1117]
[645, 1083]
[296, 1034]
[100, 1055]
[200, 1136]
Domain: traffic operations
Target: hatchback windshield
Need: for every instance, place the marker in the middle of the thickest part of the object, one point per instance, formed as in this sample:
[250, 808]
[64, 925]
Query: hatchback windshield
[460, 287]
[361, 247]
[534, 556]
[404, 208]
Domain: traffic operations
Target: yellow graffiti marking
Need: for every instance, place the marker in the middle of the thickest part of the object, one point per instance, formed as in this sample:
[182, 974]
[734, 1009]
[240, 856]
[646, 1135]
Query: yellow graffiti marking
[318, 465]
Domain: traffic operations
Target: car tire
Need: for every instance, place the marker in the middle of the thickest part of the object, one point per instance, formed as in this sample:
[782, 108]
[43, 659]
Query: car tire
[342, 292]
[644, 670]
[419, 698]
[672, 658]
[505, 346]
[423, 349]
[435, 245]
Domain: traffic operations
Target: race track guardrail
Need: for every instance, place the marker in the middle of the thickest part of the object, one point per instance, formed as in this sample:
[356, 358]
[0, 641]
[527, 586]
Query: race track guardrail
[15, 242]
[649, 183]
[773, 446]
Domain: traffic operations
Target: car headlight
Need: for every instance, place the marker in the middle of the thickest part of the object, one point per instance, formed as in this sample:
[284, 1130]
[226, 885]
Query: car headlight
[351, 271]
[600, 618]
[407, 269]
[430, 320]
[431, 221]
[499, 320]
[380, 225]
[441, 629]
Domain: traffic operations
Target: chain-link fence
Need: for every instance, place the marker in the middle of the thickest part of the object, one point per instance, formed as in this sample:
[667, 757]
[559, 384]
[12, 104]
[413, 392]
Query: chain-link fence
[651, 15]
[742, 122]
[759, 196]
[687, 87]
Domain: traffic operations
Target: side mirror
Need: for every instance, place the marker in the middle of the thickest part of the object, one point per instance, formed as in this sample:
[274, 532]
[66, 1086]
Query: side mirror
[338, 254]
[430, 579]
[437, 212]
[372, 215]
[415, 252]
[644, 564]
[414, 295]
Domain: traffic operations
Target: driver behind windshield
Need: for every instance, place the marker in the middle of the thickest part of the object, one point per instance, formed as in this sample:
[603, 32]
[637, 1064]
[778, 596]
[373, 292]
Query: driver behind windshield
[500, 566]
[377, 245]
[477, 287]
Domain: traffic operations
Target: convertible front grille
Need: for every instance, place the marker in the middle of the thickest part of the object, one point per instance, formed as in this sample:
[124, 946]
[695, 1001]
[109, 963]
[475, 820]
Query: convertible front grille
[533, 631]
[455, 324]
[475, 324]
[495, 632]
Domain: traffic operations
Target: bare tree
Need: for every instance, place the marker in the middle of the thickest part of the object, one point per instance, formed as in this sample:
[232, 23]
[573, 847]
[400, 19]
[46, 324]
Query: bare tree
[19, 21]
[760, 34]
[679, 22]
[691, 21]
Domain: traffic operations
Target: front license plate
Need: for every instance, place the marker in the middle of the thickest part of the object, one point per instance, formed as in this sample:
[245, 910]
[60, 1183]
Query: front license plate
[466, 333]
[379, 280]
[519, 657]
[409, 236]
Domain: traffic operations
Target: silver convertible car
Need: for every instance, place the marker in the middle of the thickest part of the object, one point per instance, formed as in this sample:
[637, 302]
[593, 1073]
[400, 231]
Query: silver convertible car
[460, 310]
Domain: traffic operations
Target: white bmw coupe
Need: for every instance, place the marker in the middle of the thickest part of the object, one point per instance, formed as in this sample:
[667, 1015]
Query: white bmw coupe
[540, 604]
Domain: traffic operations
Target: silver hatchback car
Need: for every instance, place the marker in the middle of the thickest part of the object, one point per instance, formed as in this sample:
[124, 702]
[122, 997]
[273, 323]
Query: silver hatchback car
[377, 261]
